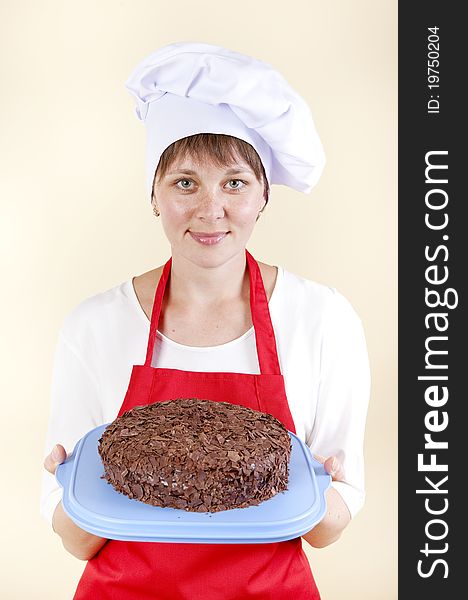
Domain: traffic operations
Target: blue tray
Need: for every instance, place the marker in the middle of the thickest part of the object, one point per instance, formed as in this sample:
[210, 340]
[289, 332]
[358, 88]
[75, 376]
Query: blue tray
[94, 505]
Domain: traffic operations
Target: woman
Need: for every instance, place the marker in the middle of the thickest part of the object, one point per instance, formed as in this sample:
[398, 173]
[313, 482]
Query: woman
[216, 122]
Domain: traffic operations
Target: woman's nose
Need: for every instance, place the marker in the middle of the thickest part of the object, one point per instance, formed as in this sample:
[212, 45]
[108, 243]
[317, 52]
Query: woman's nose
[210, 205]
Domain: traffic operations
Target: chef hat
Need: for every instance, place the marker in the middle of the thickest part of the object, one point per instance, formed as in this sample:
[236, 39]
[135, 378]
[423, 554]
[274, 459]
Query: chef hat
[187, 88]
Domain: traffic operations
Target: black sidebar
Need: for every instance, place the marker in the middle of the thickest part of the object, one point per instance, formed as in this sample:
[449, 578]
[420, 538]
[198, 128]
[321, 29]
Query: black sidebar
[433, 253]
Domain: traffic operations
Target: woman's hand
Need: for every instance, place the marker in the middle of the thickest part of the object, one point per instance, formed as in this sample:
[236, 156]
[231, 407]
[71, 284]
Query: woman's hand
[337, 517]
[332, 466]
[77, 541]
[55, 458]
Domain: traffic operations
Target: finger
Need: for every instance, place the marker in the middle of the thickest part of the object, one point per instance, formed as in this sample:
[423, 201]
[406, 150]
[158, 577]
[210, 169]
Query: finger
[320, 458]
[56, 457]
[334, 468]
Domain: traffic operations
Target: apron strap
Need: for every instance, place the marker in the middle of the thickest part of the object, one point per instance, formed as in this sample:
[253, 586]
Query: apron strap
[157, 304]
[264, 333]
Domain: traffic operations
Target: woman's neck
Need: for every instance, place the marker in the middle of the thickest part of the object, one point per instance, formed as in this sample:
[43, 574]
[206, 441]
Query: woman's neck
[194, 285]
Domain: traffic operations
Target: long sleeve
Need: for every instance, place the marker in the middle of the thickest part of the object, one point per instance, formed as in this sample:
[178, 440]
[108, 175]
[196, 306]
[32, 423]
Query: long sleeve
[343, 398]
[74, 410]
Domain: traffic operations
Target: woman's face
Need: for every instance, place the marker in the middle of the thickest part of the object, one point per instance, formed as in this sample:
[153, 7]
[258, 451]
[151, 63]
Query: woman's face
[208, 212]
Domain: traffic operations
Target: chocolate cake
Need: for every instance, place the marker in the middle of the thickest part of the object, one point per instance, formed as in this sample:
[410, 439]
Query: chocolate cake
[197, 455]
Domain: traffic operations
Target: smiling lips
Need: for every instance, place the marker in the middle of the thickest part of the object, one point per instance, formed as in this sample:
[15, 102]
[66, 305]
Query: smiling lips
[209, 239]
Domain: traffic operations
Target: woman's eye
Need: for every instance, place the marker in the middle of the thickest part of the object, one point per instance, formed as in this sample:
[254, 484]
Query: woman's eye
[184, 184]
[235, 184]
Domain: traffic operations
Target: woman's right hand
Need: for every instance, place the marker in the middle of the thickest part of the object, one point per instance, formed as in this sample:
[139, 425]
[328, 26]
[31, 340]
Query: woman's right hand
[77, 541]
[55, 458]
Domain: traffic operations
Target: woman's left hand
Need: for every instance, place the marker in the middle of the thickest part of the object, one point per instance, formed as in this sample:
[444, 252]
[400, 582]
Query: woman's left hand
[337, 516]
[332, 466]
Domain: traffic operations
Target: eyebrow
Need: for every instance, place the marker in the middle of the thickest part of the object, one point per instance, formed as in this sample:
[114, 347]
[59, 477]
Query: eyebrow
[228, 172]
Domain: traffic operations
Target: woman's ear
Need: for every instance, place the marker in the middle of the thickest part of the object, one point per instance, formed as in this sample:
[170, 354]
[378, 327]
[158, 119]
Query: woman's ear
[155, 206]
[261, 210]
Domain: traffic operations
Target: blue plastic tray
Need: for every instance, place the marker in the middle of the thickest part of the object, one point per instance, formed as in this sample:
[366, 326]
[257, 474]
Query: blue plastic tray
[95, 506]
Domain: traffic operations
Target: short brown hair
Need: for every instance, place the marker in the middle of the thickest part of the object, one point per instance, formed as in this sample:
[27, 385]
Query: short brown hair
[220, 148]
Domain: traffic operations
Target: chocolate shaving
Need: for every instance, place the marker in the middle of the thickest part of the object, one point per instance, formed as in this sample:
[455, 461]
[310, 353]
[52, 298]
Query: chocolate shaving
[196, 455]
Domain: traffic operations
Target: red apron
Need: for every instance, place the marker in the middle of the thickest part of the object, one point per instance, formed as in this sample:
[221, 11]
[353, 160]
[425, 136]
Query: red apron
[170, 571]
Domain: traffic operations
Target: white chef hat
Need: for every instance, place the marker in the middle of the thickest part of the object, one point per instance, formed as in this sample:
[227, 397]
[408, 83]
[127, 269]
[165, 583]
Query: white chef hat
[187, 88]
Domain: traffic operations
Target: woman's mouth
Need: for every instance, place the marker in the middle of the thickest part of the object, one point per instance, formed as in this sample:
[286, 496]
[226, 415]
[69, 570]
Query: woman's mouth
[209, 239]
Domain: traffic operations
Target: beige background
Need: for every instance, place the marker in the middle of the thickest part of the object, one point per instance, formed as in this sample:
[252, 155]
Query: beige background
[75, 221]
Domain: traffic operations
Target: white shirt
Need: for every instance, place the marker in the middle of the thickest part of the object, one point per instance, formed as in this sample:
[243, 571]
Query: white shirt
[321, 350]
